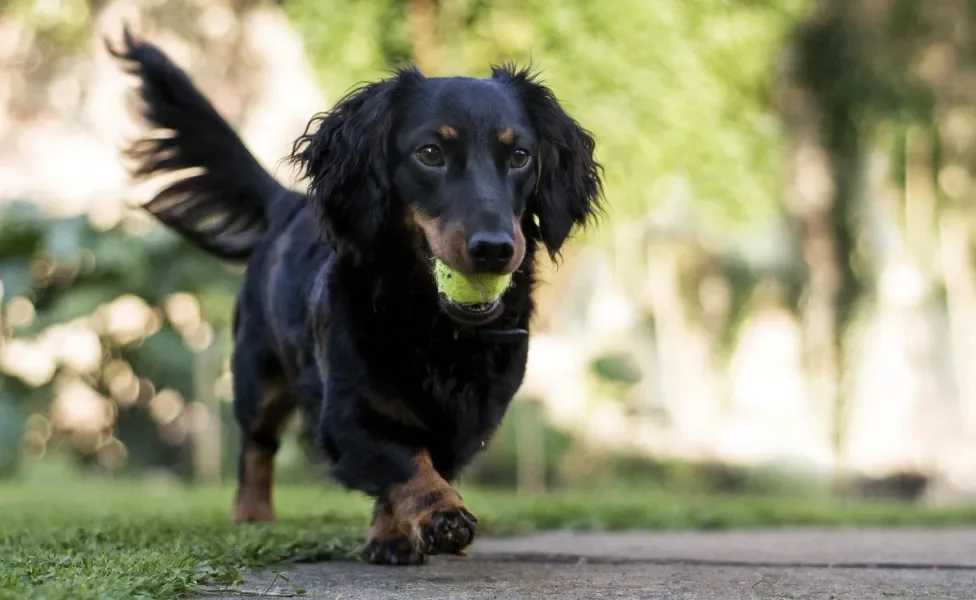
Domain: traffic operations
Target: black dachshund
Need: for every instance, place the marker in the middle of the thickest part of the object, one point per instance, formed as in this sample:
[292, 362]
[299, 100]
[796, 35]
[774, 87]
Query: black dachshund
[339, 314]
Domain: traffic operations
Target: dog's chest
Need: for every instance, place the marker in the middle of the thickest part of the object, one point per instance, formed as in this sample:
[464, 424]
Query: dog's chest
[471, 392]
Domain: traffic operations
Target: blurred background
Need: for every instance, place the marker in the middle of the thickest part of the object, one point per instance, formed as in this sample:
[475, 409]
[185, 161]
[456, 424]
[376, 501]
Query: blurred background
[782, 299]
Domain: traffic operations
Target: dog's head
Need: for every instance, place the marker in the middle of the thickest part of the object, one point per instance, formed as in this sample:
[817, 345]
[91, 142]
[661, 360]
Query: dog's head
[475, 171]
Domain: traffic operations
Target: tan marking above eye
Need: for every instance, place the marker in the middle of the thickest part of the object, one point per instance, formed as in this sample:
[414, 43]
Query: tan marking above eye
[506, 136]
[447, 132]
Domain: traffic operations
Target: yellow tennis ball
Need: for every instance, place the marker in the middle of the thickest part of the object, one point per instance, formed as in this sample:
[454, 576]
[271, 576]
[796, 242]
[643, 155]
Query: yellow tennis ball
[476, 289]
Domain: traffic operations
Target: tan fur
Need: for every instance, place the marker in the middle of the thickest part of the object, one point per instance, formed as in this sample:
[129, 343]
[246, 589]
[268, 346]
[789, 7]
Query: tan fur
[446, 240]
[383, 528]
[449, 244]
[519, 255]
[393, 408]
[412, 503]
[254, 492]
[254, 495]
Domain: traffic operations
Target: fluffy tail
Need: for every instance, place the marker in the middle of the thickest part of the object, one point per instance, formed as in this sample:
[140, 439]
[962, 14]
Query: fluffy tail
[221, 205]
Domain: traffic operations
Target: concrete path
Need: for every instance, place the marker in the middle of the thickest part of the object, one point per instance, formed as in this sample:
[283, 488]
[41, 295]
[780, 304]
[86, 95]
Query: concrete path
[773, 565]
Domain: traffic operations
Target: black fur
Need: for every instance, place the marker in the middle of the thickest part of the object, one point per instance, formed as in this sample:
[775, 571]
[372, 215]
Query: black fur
[343, 153]
[338, 301]
[569, 186]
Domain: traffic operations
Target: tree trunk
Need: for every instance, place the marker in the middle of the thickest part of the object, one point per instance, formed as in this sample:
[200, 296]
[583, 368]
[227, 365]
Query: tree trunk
[422, 19]
[818, 103]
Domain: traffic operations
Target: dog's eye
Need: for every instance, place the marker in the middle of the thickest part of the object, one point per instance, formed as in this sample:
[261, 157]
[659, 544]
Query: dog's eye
[519, 158]
[431, 156]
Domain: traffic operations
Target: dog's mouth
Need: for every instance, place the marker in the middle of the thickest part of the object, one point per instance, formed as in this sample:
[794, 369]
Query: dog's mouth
[472, 315]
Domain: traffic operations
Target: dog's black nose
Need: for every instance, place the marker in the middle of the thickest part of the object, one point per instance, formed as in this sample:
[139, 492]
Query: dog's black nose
[491, 251]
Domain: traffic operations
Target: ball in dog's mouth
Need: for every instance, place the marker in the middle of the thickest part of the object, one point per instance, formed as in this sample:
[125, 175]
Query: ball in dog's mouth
[470, 299]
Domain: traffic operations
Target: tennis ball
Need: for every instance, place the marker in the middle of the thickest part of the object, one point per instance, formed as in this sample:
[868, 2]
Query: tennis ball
[476, 289]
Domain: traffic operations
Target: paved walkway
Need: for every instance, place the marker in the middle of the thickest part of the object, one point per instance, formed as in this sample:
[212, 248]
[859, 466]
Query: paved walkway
[773, 565]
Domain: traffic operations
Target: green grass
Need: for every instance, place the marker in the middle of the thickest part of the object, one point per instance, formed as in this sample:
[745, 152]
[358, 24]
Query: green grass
[104, 540]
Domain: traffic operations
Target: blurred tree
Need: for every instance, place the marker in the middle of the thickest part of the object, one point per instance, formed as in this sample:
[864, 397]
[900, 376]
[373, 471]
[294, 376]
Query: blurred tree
[864, 74]
[823, 101]
[928, 53]
[693, 104]
[68, 279]
[99, 334]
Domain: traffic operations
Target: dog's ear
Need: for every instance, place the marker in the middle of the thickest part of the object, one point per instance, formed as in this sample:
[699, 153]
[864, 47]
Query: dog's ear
[343, 154]
[569, 189]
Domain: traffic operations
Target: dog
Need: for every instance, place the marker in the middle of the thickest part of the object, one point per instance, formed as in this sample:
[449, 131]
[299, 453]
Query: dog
[338, 315]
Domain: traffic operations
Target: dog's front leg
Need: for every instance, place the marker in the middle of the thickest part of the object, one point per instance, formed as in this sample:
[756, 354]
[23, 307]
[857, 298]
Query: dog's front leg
[426, 511]
[417, 512]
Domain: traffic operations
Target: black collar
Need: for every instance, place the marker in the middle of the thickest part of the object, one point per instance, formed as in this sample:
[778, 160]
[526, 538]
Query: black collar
[501, 336]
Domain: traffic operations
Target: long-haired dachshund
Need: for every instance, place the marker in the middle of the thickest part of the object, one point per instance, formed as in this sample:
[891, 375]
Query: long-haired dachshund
[339, 314]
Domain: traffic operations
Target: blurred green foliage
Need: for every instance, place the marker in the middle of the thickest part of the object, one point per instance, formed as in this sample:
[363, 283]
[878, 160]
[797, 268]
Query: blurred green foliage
[66, 270]
[69, 268]
[55, 26]
[679, 96]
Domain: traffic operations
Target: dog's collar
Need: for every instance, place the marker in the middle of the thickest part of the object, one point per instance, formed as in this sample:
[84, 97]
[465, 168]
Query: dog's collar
[508, 335]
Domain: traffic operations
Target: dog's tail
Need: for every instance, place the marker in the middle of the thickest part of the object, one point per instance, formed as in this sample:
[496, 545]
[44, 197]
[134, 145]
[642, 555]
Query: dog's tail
[221, 205]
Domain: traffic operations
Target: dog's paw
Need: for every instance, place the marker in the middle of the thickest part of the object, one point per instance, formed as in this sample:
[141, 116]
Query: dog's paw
[447, 531]
[394, 551]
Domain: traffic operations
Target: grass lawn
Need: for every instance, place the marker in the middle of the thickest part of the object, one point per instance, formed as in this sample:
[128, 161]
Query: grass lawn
[110, 540]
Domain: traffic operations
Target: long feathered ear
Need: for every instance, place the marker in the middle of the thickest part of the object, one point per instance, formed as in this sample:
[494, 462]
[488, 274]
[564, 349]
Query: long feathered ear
[569, 189]
[343, 154]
